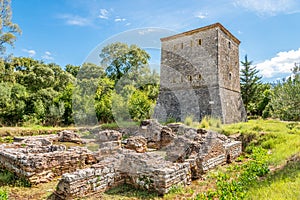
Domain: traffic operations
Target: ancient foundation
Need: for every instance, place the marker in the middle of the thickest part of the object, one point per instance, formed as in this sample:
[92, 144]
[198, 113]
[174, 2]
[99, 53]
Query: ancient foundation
[154, 158]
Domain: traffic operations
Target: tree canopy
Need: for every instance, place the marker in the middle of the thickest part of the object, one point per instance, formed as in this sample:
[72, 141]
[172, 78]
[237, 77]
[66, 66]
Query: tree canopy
[8, 29]
[118, 58]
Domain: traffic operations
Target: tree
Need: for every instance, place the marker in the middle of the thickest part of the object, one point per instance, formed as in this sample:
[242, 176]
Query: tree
[285, 102]
[7, 28]
[250, 83]
[72, 69]
[118, 58]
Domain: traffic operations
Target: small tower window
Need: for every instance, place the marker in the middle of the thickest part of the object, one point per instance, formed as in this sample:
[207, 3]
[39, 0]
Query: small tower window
[182, 45]
[229, 45]
[190, 78]
[199, 41]
[230, 76]
[199, 77]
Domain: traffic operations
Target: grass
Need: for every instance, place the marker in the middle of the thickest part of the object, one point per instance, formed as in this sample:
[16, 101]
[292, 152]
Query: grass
[281, 184]
[273, 135]
[128, 192]
[31, 130]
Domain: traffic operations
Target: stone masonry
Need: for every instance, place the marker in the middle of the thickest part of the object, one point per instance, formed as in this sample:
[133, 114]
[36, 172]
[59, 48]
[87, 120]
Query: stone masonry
[200, 76]
[190, 153]
[154, 158]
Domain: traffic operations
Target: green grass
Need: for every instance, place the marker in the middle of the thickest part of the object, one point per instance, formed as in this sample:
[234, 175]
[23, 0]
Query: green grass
[8, 178]
[273, 135]
[31, 130]
[282, 184]
[3, 194]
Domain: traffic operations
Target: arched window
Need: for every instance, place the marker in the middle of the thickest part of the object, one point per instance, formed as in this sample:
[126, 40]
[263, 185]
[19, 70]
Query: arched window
[190, 78]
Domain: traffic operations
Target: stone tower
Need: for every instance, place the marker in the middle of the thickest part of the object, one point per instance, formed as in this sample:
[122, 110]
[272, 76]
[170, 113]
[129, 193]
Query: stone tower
[200, 76]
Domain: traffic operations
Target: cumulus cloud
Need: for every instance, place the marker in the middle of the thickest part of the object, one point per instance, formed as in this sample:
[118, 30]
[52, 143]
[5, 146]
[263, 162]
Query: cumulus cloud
[269, 7]
[47, 56]
[103, 14]
[30, 52]
[282, 63]
[75, 20]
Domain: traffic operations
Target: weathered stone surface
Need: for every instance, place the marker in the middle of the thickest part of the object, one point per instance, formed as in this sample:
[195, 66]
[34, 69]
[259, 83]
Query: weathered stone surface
[36, 142]
[69, 136]
[147, 171]
[200, 76]
[157, 136]
[136, 143]
[42, 163]
[107, 136]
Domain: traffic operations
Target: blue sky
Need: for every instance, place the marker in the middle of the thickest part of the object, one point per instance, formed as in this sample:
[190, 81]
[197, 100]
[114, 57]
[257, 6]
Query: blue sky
[67, 31]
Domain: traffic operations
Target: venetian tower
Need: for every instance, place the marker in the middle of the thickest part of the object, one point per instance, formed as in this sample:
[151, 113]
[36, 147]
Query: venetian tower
[200, 76]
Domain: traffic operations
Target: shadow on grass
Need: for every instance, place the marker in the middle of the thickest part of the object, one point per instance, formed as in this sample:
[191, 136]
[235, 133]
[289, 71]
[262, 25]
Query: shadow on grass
[131, 192]
[8, 178]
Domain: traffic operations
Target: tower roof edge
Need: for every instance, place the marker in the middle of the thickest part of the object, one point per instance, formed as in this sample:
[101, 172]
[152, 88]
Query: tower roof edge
[191, 32]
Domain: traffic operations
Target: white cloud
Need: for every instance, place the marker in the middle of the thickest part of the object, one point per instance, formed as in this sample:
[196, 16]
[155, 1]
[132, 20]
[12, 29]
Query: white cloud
[103, 14]
[269, 7]
[145, 31]
[30, 52]
[76, 20]
[120, 19]
[201, 15]
[47, 56]
[282, 63]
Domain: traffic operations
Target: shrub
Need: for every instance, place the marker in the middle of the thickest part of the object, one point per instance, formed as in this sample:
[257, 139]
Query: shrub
[204, 122]
[189, 120]
[3, 194]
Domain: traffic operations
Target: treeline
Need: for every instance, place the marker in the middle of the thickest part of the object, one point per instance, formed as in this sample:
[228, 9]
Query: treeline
[33, 92]
[280, 99]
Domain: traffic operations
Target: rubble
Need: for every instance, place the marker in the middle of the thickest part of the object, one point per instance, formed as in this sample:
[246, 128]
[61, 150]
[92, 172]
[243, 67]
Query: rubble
[180, 155]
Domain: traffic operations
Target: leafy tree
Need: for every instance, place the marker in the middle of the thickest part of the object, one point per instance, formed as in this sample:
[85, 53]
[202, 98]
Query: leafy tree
[139, 105]
[118, 58]
[250, 83]
[103, 100]
[7, 28]
[286, 98]
[72, 69]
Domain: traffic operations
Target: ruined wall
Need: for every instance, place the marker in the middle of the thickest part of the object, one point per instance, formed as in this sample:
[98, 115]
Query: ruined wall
[146, 171]
[43, 163]
[98, 178]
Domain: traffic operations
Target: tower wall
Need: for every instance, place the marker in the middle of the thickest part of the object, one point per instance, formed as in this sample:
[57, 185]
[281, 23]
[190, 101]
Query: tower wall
[195, 69]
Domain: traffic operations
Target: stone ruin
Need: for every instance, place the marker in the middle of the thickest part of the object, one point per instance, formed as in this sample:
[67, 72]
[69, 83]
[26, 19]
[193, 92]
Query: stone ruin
[154, 158]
